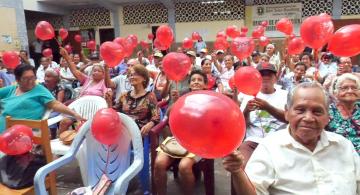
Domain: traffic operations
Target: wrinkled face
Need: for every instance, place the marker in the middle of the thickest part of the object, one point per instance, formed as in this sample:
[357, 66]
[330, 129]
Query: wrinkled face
[76, 58]
[348, 92]
[228, 62]
[50, 79]
[220, 56]
[206, 67]
[270, 49]
[306, 60]
[344, 66]
[197, 82]
[157, 61]
[268, 79]
[97, 73]
[27, 80]
[135, 78]
[308, 115]
[299, 71]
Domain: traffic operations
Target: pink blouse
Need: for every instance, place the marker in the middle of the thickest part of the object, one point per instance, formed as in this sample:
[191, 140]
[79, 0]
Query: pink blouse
[91, 88]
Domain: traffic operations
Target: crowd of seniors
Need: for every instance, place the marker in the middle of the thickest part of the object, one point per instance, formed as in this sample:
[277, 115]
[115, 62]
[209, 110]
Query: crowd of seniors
[302, 128]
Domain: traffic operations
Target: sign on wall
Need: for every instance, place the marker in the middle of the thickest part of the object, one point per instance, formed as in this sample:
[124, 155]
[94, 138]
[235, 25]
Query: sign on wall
[273, 13]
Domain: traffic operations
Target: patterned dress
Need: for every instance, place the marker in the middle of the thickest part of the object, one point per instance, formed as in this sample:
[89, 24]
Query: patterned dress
[142, 109]
[349, 128]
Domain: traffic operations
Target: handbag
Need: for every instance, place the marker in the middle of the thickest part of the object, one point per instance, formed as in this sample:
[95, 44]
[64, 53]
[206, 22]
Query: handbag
[18, 171]
[67, 137]
[173, 148]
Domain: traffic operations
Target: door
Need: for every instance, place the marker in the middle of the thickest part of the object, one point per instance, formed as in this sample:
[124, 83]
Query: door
[106, 34]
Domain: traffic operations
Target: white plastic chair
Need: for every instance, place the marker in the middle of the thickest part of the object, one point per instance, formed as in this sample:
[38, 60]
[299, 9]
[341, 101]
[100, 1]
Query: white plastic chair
[86, 106]
[119, 169]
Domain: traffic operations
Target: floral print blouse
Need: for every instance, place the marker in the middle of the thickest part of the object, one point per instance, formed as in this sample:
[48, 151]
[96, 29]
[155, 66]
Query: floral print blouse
[142, 109]
[349, 128]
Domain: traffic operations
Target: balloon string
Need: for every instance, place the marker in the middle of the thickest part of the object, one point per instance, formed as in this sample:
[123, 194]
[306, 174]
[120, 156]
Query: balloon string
[57, 42]
[260, 121]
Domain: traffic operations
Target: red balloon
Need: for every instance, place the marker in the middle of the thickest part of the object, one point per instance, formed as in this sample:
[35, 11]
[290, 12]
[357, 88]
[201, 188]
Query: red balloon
[198, 125]
[16, 140]
[242, 34]
[231, 83]
[68, 48]
[221, 34]
[159, 45]
[128, 49]
[296, 46]
[248, 80]
[107, 126]
[232, 31]
[187, 43]
[264, 23]
[264, 41]
[150, 36]
[176, 66]
[244, 29]
[221, 44]
[258, 32]
[112, 53]
[63, 33]
[195, 36]
[47, 52]
[211, 81]
[11, 59]
[133, 40]
[91, 45]
[346, 41]
[242, 47]
[165, 36]
[144, 44]
[78, 38]
[285, 26]
[292, 36]
[316, 31]
[44, 31]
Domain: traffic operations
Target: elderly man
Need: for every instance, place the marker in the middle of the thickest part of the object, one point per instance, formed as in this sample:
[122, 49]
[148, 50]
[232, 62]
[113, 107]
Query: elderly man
[344, 66]
[302, 159]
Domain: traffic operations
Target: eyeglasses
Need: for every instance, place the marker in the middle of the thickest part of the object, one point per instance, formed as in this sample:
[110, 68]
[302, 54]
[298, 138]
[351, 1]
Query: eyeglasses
[346, 88]
[27, 79]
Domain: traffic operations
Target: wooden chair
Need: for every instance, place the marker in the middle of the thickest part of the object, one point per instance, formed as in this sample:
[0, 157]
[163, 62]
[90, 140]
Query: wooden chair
[44, 140]
[206, 166]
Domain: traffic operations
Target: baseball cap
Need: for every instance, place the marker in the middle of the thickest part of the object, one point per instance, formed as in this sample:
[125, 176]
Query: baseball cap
[266, 66]
[220, 51]
[191, 53]
[158, 54]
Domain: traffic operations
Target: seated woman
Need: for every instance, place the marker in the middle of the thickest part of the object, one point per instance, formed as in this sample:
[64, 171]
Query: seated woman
[345, 111]
[138, 103]
[206, 68]
[93, 85]
[27, 100]
[198, 81]
[52, 83]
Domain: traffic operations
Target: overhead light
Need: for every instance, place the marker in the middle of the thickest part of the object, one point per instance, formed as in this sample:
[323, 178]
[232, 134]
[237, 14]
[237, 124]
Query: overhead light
[213, 2]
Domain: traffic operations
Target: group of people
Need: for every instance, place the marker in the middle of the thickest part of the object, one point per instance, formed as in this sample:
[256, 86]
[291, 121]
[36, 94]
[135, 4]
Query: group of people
[302, 128]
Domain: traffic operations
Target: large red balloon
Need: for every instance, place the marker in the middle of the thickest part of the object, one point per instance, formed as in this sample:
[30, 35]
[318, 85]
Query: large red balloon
[112, 53]
[197, 122]
[44, 31]
[296, 46]
[16, 140]
[242, 47]
[187, 43]
[68, 48]
[128, 48]
[144, 44]
[150, 36]
[248, 80]
[221, 34]
[63, 33]
[107, 126]
[78, 38]
[133, 40]
[232, 31]
[159, 45]
[47, 52]
[210, 81]
[11, 59]
[165, 35]
[263, 41]
[176, 66]
[91, 45]
[316, 31]
[258, 32]
[221, 43]
[195, 36]
[285, 26]
[346, 41]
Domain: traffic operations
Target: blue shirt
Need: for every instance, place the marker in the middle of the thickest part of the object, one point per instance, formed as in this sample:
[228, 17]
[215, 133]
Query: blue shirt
[7, 77]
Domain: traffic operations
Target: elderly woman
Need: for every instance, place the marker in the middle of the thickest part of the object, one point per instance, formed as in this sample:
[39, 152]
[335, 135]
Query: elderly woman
[27, 100]
[52, 83]
[206, 68]
[345, 111]
[93, 85]
[138, 103]
[198, 81]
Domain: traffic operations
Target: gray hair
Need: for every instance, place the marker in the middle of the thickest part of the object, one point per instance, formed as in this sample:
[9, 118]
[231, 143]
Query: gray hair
[306, 85]
[339, 80]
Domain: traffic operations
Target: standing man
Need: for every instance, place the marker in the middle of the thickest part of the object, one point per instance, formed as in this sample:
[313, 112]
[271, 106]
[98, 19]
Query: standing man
[37, 46]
